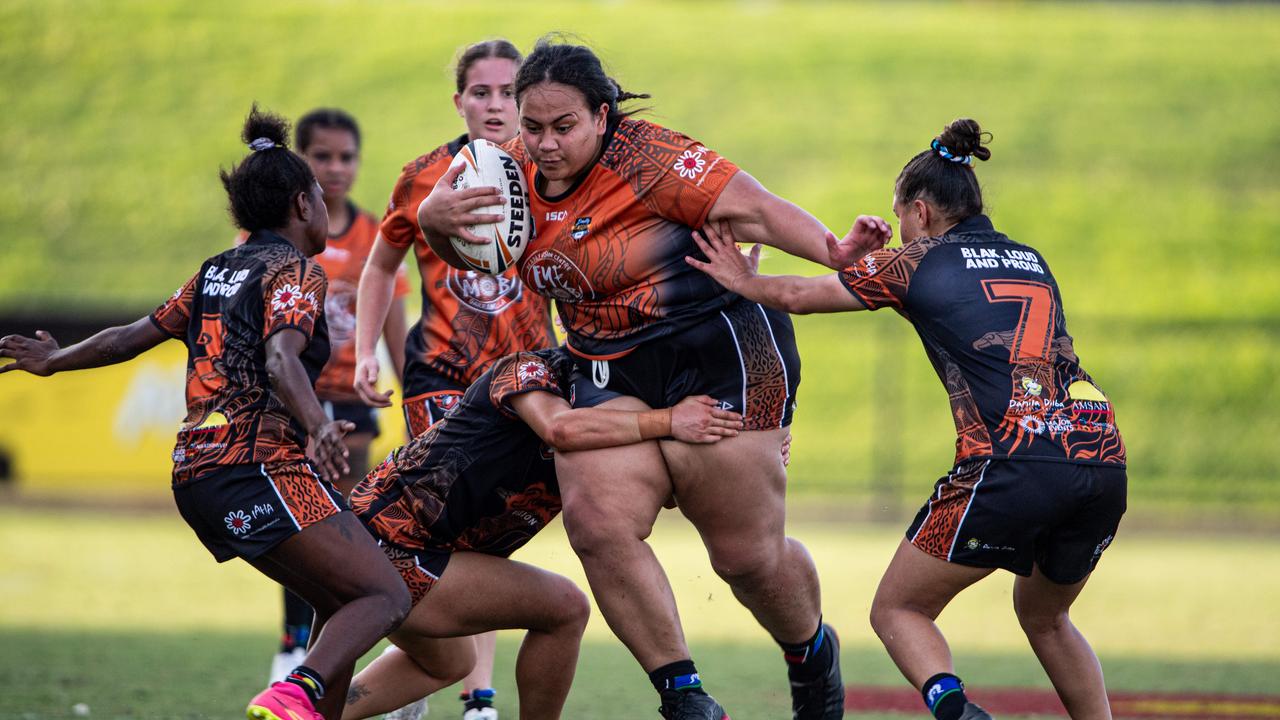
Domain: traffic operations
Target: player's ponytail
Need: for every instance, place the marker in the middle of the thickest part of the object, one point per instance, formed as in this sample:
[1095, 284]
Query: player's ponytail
[943, 174]
[261, 189]
[555, 60]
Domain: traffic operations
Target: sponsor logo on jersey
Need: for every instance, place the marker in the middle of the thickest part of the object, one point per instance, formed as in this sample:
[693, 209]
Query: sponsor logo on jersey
[489, 294]
[531, 370]
[555, 276]
[285, 297]
[448, 403]
[690, 164]
[557, 215]
[581, 227]
[1031, 387]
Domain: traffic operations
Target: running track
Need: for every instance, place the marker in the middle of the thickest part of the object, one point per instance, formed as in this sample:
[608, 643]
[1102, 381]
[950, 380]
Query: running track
[1025, 701]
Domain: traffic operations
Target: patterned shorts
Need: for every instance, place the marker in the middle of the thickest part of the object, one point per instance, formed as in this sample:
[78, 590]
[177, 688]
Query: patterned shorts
[429, 397]
[1016, 514]
[744, 356]
[380, 503]
[245, 510]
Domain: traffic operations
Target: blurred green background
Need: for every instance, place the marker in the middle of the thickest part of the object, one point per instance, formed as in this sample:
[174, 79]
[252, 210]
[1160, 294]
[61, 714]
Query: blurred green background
[1135, 145]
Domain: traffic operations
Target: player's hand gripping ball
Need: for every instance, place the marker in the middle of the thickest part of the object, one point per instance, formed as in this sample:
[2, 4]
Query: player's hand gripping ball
[484, 163]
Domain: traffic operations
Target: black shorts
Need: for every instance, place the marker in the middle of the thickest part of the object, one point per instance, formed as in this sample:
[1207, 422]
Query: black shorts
[364, 417]
[428, 397]
[1014, 514]
[245, 510]
[744, 356]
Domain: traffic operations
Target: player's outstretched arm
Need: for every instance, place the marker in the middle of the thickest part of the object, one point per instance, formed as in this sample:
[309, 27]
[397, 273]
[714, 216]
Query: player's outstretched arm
[289, 380]
[758, 216]
[789, 293]
[42, 356]
[374, 300]
[695, 419]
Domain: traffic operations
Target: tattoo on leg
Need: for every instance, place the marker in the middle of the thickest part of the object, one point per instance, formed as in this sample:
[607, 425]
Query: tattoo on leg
[356, 693]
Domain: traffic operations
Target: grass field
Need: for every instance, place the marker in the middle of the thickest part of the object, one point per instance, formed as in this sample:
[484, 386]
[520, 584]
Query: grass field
[135, 620]
[1135, 145]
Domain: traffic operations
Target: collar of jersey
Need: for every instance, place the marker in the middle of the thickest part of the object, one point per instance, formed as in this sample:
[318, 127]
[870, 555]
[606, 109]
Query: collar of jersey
[266, 237]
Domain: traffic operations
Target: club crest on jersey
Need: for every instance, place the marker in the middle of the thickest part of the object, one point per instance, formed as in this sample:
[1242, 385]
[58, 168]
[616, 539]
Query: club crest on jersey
[339, 308]
[531, 370]
[581, 227]
[489, 294]
[448, 402]
[555, 276]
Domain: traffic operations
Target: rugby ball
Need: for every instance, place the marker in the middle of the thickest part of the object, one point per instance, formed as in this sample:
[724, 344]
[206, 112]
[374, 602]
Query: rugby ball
[484, 163]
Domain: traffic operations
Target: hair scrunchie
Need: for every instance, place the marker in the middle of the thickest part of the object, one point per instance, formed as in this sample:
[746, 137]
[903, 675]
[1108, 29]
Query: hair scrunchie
[261, 143]
[946, 154]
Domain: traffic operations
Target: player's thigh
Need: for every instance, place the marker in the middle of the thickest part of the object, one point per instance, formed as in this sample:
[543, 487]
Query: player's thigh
[339, 554]
[621, 487]
[1038, 600]
[919, 581]
[733, 491]
[477, 593]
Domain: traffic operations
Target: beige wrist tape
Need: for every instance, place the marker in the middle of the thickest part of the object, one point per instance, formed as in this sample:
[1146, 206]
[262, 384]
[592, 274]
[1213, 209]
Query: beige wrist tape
[654, 423]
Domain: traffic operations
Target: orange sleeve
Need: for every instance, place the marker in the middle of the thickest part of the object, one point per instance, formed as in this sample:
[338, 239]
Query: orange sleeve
[400, 223]
[174, 314]
[684, 177]
[880, 279]
[517, 374]
[294, 297]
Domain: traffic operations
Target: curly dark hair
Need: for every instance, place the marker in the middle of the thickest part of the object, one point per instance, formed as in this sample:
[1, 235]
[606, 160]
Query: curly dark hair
[262, 187]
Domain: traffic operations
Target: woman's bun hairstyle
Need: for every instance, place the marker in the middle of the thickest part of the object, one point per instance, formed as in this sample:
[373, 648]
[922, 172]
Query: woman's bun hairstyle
[943, 175]
[964, 137]
[261, 189]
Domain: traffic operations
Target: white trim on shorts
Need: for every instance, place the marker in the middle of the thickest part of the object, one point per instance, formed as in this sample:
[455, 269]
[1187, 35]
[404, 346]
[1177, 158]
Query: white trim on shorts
[781, 362]
[956, 537]
[263, 468]
[328, 496]
[741, 363]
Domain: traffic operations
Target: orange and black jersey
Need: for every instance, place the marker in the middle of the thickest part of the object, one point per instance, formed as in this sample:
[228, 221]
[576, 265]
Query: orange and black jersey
[224, 314]
[469, 319]
[611, 249]
[343, 261]
[480, 479]
[990, 316]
